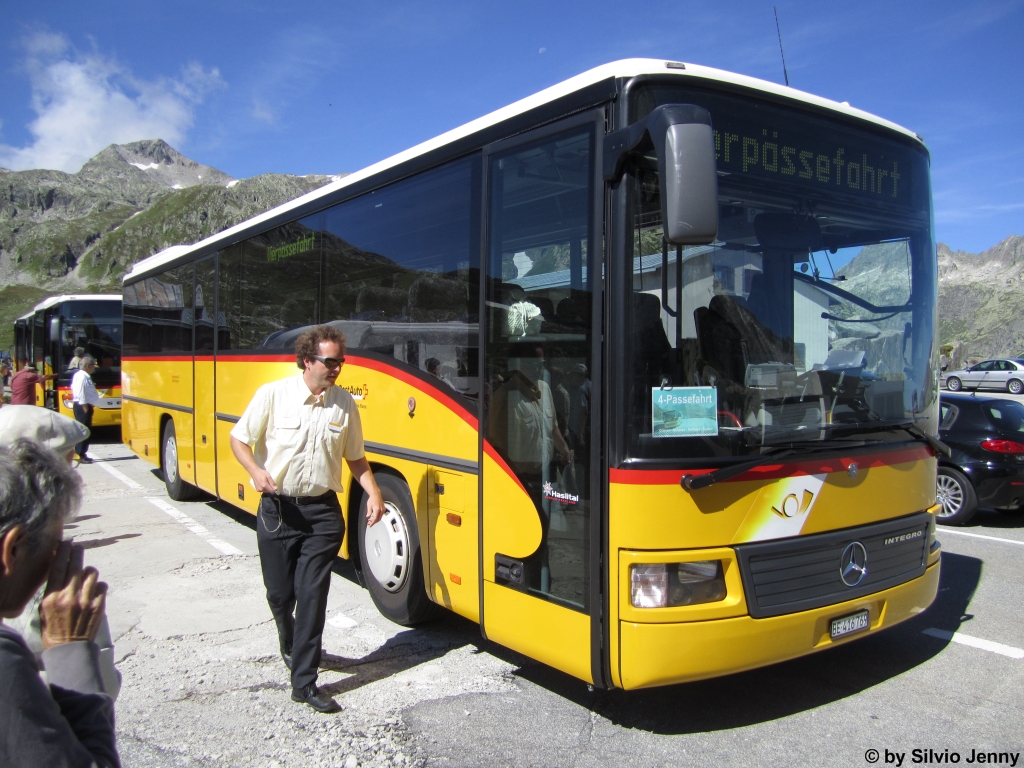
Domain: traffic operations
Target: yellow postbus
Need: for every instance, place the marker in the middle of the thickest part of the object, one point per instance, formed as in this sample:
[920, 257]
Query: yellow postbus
[48, 336]
[646, 365]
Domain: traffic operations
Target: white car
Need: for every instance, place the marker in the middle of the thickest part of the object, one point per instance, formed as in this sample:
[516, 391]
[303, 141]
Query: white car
[1006, 373]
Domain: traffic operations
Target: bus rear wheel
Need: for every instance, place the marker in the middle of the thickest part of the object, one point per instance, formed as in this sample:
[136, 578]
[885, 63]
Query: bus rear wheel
[177, 488]
[389, 552]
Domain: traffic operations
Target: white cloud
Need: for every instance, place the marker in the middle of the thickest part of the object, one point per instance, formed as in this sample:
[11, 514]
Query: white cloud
[83, 103]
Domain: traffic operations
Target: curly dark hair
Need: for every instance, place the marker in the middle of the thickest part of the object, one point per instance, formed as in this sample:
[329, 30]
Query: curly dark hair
[308, 344]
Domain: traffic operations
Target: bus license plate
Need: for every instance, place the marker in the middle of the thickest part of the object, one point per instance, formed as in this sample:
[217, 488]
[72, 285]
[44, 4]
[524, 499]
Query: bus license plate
[848, 624]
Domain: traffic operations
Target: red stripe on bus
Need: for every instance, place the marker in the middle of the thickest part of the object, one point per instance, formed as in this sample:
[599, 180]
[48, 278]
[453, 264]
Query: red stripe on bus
[434, 392]
[774, 471]
[489, 450]
[158, 359]
[256, 359]
[210, 358]
[68, 389]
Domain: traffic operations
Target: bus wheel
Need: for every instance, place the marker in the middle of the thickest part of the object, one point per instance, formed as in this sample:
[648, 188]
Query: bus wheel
[956, 495]
[391, 559]
[177, 488]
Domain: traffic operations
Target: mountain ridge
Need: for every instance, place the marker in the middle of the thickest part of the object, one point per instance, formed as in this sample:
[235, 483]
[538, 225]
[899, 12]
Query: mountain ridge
[81, 232]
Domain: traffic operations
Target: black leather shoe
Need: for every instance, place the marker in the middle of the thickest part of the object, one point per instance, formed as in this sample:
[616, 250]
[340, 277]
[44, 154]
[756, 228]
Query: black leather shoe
[311, 695]
[286, 655]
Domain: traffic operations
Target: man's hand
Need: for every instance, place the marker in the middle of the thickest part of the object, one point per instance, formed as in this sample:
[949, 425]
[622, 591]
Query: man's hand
[74, 601]
[374, 509]
[261, 479]
[363, 475]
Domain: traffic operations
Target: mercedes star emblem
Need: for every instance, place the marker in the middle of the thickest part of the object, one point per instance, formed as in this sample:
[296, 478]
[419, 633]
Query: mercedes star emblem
[853, 564]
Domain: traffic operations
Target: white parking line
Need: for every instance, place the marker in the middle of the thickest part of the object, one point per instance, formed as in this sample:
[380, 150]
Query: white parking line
[979, 536]
[976, 642]
[195, 527]
[120, 476]
[175, 513]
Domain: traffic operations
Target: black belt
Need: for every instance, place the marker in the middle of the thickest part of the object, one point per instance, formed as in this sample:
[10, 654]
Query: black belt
[302, 501]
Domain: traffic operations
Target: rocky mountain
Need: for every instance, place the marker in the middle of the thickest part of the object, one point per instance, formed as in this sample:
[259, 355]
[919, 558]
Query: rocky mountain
[75, 232]
[981, 299]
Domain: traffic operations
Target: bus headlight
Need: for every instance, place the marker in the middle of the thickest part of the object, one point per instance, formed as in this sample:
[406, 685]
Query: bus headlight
[660, 585]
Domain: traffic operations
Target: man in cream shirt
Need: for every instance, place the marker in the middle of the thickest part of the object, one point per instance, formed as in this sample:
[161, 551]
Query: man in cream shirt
[291, 440]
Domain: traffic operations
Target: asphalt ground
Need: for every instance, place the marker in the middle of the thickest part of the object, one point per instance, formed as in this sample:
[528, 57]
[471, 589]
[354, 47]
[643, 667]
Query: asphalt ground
[203, 684]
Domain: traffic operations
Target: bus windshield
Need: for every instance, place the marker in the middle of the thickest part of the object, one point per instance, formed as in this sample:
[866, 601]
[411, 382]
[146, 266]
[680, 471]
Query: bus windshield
[812, 315]
[94, 326]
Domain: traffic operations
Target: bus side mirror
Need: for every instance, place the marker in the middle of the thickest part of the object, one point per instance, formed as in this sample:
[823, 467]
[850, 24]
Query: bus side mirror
[683, 143]
[55, 327]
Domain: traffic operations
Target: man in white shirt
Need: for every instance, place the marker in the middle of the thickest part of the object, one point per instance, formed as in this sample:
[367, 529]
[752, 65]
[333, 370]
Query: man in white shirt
[86, 398]
[291, 440]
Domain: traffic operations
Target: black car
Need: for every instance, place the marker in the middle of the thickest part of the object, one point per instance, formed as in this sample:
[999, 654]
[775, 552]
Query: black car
[986, 468]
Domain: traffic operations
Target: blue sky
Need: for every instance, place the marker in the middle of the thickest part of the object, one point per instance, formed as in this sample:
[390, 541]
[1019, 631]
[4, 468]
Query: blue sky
[326, 87]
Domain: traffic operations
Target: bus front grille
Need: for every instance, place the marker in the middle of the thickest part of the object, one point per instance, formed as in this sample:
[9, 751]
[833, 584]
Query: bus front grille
[799, 574]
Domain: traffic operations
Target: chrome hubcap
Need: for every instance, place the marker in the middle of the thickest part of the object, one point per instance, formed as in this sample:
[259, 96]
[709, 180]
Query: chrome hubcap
[386, 545]
[950, 495]
[171, 460]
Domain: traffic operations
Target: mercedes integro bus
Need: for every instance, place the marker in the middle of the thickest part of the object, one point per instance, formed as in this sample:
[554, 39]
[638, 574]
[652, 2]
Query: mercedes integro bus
[48, 336]
[646, 365]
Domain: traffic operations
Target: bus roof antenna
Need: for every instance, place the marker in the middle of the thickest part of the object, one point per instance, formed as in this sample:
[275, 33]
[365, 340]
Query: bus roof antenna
[779, 32]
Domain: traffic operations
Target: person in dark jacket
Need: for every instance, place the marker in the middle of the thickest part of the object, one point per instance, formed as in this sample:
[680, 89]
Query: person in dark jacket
[70, 721]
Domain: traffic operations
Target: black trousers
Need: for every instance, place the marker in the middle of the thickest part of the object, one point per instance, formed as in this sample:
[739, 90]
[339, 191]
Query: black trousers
[83, 415]
[298, 543]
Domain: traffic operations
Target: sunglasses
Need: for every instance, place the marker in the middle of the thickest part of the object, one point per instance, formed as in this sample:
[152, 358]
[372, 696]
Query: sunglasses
[330, 362]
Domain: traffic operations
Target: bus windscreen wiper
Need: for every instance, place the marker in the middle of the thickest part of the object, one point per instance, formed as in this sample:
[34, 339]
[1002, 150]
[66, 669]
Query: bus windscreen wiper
[696, 482]
[771, 453]
[907, 425]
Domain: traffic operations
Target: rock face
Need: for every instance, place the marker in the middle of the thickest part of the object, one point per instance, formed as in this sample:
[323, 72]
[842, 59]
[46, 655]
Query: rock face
[69, 232]
[159, 162]
[80, 232]
[981, 299]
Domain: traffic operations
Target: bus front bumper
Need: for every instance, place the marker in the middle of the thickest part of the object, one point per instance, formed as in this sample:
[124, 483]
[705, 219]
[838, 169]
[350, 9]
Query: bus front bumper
[663, 654]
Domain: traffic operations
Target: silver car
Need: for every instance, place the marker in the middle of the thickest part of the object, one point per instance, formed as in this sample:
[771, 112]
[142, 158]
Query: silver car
[1005, 373]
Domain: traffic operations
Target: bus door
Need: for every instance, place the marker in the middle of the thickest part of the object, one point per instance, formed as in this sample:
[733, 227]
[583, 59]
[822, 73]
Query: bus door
[537, 563]
[205, 319]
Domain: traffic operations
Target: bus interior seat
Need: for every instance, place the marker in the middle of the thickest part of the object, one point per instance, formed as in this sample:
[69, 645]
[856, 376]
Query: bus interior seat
[760, 343]
[650, 342]
[572, 310]
[760, 303]
[379, 303]
[437, 300]
[545, 305]
[721, 345]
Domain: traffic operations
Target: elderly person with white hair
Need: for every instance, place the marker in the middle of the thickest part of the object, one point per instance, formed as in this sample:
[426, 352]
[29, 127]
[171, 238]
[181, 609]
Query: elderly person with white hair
[68, 721]
[86, 398]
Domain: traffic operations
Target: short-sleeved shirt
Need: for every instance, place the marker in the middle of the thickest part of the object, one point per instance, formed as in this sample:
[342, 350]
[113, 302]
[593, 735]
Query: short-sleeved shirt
[23, 387]
[83, 391]
[299, 438]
